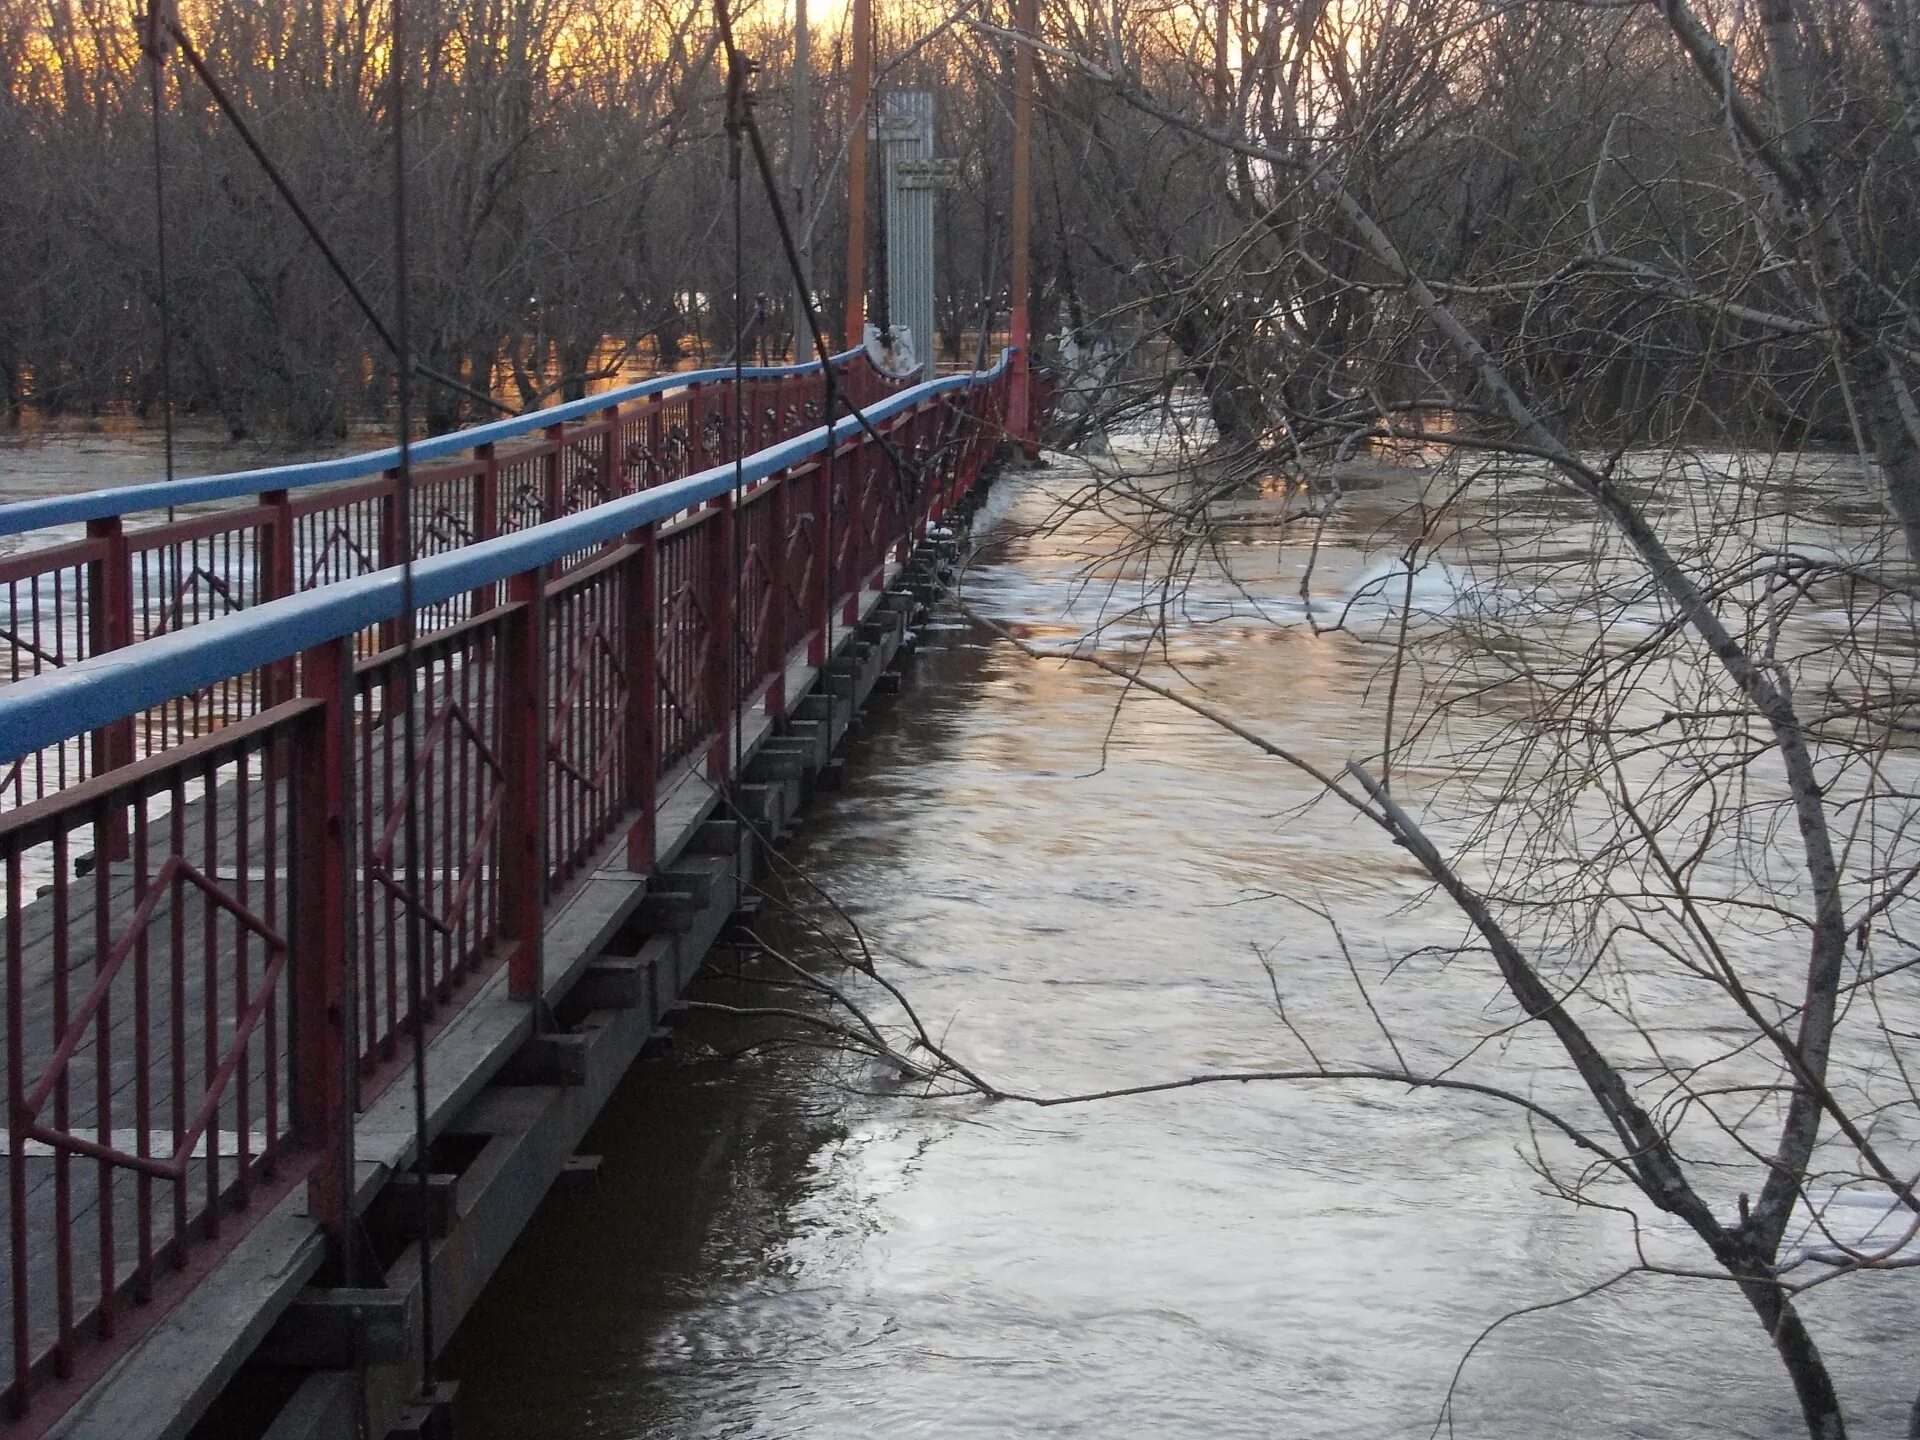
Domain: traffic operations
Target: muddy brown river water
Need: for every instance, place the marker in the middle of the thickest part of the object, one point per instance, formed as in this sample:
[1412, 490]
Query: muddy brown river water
[1076, 894]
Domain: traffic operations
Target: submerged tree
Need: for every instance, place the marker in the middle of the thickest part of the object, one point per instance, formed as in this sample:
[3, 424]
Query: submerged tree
[1707, 775]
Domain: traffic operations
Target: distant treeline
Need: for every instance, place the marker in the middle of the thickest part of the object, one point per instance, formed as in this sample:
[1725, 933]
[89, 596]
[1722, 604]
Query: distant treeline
[568, 181]
[1560, 174]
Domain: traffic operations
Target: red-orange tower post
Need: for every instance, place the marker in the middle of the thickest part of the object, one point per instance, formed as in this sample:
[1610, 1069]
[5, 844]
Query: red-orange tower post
[1019, 421]
[862, 22]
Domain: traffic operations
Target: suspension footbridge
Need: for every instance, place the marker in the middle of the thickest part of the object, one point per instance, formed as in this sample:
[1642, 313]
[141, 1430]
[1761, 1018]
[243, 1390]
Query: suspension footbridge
[254, 848]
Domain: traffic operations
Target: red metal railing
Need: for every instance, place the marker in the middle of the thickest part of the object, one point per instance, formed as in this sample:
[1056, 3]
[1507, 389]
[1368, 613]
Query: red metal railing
[154, 1086]
[206, 944]
[122, 585]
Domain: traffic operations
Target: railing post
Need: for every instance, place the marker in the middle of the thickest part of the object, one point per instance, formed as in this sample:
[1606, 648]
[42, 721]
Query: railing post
[820, 604]
[945, 447]
[696, 429]
[931, 412]
[779, 609]
[913, 524]
[719, 609]
[979, 432]
[963, 432]
[486, 518]
[324, 1046]
[982, 429]
[956, 433]
[524, 703]
[643, 694]
[392, 549]
[882, 486]
[277, 580]
[610, 467]
[853, 523]
[19, 1271]
[110, 627]
[554, 497]
[655, 440]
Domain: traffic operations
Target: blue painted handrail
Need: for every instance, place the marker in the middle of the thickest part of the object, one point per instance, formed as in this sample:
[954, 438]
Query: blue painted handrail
[23, 516]
[95, 692]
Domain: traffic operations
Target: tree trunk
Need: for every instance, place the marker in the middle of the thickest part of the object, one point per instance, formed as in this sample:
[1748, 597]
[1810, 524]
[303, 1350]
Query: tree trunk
[1234, 398]
[574, 357]
[1819, 1401]
[440, 404]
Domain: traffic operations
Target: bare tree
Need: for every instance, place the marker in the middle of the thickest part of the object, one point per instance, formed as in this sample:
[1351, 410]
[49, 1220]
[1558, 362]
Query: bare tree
[1607, 269]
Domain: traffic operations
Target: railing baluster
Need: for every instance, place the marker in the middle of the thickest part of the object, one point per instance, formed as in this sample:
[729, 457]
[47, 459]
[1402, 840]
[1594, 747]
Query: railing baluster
[277, 578]
[553, 480]
[320, 854]
[393, 548]
[778, 622]
[110, 623]
[524, 702]
[819, 604]
[610, 453]
[655, 441]
[17, 1151]
[721, 577]
[210, 983]
[103, 1085]
[142, 1057]
[177, 999]
[486, 517]
[62, 1115]
[242, 989]
[642, 633]
[696, 429]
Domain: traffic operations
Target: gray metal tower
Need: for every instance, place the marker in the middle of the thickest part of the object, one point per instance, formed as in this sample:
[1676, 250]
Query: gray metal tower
[912, 176]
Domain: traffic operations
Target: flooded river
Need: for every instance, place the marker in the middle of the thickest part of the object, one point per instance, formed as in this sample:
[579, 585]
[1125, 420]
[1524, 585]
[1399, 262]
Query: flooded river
[1077, 897]
[1077, 894]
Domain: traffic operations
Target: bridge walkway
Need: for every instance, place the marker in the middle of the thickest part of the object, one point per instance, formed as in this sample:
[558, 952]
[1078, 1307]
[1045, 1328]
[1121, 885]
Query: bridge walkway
[207, 978]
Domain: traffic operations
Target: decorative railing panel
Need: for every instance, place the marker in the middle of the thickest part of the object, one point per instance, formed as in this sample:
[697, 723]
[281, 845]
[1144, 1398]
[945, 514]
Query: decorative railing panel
[151, 1086]
[761, 589]
[691, 639]
[591, 759]
[441, 786]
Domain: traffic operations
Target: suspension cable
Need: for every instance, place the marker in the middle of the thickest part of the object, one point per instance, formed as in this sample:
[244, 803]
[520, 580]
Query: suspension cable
[279, 181]
[738, 70]
[877, 201]
[154, 42]
[409, 723]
